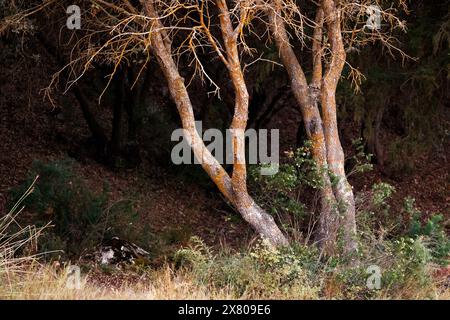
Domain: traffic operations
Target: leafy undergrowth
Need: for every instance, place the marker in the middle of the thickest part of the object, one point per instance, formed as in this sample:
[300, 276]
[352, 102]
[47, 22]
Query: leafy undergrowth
[405, 268]
[395, 260]
[261, 273]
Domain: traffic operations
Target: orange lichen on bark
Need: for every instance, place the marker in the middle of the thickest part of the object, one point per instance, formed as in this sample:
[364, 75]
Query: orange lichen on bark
[321, 128]
[234, 188]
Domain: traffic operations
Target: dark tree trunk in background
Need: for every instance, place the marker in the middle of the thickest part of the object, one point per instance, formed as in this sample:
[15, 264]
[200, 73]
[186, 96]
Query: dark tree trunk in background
[118, 106]
[98, 133]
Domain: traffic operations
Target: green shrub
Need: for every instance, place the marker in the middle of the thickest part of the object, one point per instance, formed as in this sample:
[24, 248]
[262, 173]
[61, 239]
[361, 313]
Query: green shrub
[279, 193]
[362, 161]
[262, 271]
[374, 215]
[431, 230]
[301, 272]
[409, 261]
[381, 193]
[80, 218]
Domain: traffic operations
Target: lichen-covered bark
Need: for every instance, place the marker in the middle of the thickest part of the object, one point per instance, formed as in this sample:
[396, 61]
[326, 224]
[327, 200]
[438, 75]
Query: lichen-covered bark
[322, 127]
[317, 50]
[307, 99]
[235, 188]
[335, 153]
[239, 122]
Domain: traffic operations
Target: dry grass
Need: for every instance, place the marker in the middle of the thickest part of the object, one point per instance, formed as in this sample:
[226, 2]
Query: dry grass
[43, 282]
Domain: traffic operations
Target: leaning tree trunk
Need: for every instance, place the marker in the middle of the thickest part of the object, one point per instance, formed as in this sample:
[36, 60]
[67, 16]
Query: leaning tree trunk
[243, 200]
[234, 189]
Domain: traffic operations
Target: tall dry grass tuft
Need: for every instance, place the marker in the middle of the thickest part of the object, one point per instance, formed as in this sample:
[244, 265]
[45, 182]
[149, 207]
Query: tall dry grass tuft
[14, 238]
[17, 243]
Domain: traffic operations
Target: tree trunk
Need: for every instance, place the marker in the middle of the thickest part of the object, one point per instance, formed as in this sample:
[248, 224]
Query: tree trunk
[96, 130]
[378, 146]
[322, 129]
[118, 106]
[307, 99]
[234, 188]
[335, 154]
[98, 133]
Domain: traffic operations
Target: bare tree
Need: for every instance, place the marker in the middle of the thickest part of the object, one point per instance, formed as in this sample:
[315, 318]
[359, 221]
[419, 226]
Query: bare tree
[317, 98]
[235, 187]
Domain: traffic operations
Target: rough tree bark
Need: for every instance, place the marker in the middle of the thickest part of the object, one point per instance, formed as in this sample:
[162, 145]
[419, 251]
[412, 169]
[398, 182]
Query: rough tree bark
[335, 153]
[321, 129]
[234, 189]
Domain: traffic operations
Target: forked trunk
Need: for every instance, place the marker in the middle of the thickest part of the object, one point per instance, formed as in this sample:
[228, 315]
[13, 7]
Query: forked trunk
[233, 189]
[335, 154]
[326, 147]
